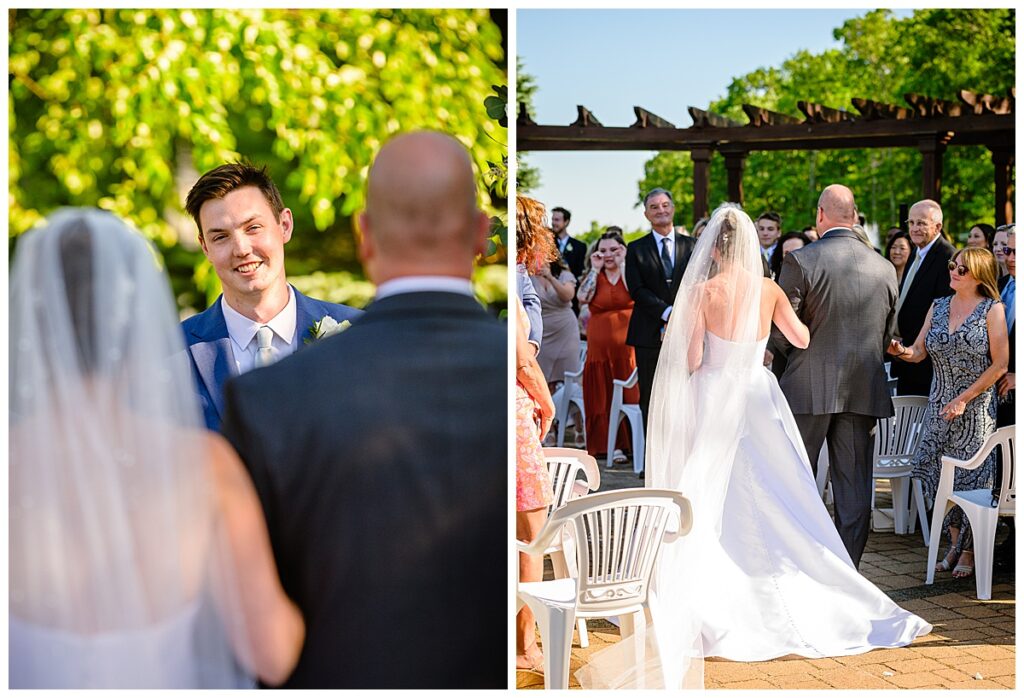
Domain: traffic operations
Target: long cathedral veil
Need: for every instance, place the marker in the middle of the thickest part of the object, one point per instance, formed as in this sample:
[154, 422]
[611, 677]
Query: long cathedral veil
[113, 528]
[696, 418]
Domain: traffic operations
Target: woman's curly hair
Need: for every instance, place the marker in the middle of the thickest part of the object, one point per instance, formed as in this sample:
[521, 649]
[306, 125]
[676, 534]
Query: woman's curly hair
[535, 245]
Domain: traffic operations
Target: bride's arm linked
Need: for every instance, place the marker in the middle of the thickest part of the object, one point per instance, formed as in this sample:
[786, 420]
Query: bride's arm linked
[784, 317]
[268, 637]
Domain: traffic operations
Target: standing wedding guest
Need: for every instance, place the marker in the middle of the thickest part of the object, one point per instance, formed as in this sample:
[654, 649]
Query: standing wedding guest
[572, 251]
[811, 233]
[608, 355]
[534, 412]
[926, 279]
[998, 245]
[898, 252]
[769, 228]
[787, 243]
[654, 269]
[891, 233]
[699, 226]
[1007, 385]
[965, 334]
[138, 553]
[260, 318]
[379, 453]
[560, 350]
[981, 235]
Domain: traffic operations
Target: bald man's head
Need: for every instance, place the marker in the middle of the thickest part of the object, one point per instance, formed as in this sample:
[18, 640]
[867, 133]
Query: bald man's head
[836, 208]
[421, 215]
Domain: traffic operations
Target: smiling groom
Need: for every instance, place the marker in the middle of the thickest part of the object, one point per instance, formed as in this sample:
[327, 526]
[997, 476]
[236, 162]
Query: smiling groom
[260, 317]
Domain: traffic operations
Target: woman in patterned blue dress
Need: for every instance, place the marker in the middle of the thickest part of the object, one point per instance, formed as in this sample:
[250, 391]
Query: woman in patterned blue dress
[965, 335]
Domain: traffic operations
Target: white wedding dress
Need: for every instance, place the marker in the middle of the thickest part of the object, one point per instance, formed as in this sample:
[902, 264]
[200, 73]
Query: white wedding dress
[762, 572]
[779, 580]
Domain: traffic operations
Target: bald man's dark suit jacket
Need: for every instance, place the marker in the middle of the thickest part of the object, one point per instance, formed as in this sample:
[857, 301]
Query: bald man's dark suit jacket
[930, 282]
[380, 458]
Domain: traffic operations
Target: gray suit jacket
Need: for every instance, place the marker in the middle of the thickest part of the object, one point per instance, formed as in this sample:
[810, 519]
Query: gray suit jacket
[846, 293]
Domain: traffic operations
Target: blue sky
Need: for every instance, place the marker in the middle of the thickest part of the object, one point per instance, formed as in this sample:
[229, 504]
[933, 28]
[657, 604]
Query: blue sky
[662, 60]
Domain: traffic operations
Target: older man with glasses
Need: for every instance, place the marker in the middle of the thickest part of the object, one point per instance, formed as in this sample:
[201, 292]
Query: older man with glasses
[925, 279]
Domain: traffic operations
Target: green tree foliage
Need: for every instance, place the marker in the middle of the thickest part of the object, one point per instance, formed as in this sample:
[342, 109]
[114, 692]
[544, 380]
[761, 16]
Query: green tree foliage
[934, 52]
[124, 108]
[527, 177]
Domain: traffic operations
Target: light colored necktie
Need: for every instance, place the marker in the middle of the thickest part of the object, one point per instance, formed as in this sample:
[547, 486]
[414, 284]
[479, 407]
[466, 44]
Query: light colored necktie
[909, 279]
[1009, 298]
[264, 354]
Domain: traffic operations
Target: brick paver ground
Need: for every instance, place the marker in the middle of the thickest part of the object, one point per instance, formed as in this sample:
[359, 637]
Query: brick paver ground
[971, 646]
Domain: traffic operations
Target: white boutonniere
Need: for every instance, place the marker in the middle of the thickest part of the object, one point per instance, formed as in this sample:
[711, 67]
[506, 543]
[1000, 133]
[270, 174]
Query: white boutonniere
[568, 247]
[325, 327]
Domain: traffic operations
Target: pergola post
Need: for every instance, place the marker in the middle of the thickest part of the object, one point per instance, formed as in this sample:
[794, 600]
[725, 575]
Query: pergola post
[932, 149]
[1002, 159]
[701, 181]
[734, 162]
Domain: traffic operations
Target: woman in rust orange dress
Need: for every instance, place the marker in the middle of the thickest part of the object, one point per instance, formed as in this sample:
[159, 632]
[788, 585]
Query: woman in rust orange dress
[608, 355]
[534, 412]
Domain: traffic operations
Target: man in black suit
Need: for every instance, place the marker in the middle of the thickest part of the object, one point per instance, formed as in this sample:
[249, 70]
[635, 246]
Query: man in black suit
[573, 251]
[926, 279]
[654, 270]
[379, 453]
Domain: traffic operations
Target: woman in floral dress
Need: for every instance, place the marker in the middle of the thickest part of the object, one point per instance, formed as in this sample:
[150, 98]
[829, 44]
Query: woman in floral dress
[965, 335]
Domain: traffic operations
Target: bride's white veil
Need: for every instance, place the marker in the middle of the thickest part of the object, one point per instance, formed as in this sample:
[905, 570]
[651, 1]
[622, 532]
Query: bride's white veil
[696, 419]
[111, 512]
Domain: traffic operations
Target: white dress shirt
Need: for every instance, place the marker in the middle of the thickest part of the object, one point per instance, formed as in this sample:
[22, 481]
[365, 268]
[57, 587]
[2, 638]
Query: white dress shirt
[242, 331]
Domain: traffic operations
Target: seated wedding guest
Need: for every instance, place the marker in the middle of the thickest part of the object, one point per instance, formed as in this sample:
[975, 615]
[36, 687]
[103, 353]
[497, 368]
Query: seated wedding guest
[898, 252]
[560, 349]
[534, 412]
[138, 553]
[379, 453]
[259, 318]
[787, 243]
[998, 245]
[965, 335]
[608, 356]
[981, 235]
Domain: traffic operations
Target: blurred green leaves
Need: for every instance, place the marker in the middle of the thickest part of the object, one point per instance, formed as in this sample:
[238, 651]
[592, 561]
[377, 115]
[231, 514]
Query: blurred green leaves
[123, 109]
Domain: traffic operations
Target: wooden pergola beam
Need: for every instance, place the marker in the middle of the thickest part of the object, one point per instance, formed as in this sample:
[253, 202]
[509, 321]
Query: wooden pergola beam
[646, 119]
[523, 119]
[932, 106]
[986, 104]
[820, 114]
[585, 118]
[873, 111]
[702, 119]
[759, 116]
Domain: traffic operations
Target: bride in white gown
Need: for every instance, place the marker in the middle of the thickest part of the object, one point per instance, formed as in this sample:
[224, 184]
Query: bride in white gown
[763, 572]
[138, 553]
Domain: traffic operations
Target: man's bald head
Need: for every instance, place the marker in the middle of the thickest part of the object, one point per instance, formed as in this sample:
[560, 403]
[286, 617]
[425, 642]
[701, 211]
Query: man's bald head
[836, 208]
[421, 216]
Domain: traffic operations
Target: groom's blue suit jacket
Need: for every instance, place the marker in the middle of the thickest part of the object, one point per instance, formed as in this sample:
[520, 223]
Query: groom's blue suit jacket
[211, 357]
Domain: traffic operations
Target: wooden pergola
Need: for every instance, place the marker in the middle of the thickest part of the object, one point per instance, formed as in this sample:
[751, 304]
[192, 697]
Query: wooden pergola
[928, 124]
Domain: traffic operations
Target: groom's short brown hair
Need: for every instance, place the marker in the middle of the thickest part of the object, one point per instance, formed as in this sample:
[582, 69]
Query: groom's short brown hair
[221, 181]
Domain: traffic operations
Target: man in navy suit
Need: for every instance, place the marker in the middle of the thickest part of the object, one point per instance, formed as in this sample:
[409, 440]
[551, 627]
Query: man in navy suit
[260, 317]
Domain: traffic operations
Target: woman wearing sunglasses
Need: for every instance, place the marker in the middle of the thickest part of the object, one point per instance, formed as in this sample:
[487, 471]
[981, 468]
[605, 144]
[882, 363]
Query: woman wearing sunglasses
[965, 336]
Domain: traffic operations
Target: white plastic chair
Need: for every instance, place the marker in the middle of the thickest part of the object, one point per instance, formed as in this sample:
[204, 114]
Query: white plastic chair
[618, 536]
[564, 466]
[896, 442]
[631, 411]
[977, 505]
[570, 392]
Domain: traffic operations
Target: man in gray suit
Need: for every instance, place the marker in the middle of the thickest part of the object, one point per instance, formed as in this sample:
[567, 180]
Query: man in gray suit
[846, 294]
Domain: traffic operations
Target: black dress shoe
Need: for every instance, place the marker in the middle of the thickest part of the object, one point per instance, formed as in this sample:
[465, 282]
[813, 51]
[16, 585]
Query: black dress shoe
[641, 475]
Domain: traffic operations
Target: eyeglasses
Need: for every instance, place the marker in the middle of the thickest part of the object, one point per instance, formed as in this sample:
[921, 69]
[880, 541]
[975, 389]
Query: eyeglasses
[960, 269]
[918, 224]
[1009, 250]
